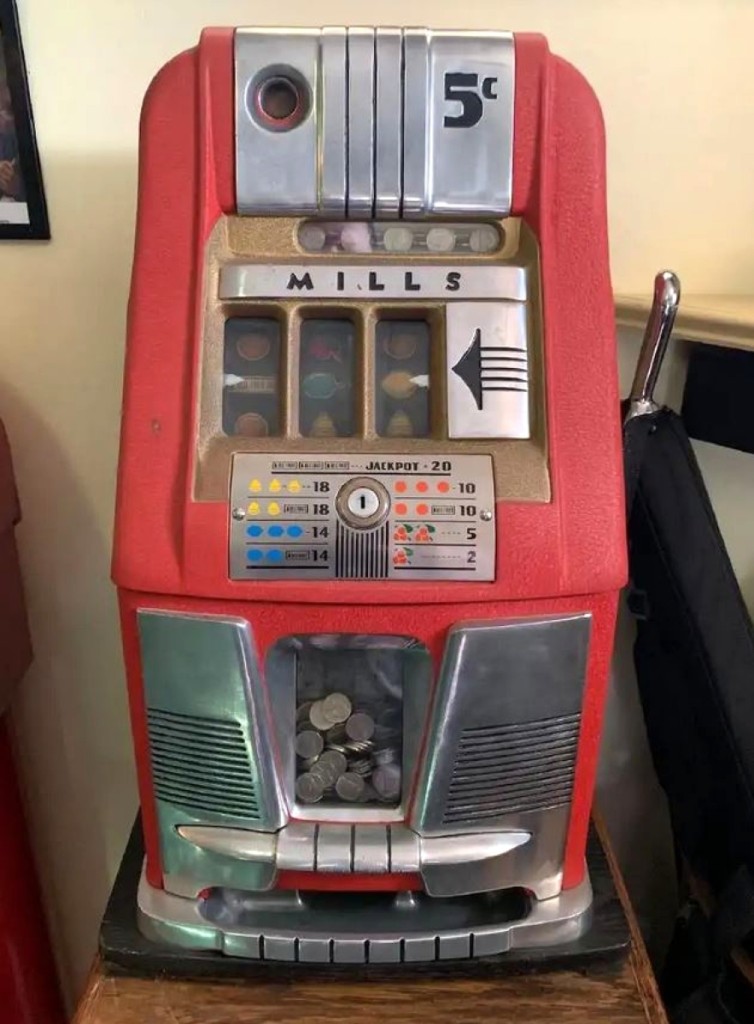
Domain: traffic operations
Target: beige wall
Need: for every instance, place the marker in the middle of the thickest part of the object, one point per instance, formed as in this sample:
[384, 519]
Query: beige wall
[675, 81]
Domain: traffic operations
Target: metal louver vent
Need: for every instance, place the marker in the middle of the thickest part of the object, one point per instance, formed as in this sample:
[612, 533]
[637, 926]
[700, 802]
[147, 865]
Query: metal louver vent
[361, 554]
[202, 764]
[502, 769]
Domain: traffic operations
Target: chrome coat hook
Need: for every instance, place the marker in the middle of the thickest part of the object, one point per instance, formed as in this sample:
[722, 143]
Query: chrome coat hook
[665, 301]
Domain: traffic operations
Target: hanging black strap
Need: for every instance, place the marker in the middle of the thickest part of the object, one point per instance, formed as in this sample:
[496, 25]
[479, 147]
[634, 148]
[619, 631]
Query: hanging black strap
[636, 432]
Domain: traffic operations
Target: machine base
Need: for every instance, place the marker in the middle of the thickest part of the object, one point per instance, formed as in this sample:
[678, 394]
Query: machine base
[471, 935]
[362, 928]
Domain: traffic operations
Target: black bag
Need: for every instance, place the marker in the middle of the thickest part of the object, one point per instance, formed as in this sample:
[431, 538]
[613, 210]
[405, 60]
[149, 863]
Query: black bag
[694, 656]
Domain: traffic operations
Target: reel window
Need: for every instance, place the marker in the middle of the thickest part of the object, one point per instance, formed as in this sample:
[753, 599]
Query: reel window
[251, 377]
[326, 378]
[402, 378]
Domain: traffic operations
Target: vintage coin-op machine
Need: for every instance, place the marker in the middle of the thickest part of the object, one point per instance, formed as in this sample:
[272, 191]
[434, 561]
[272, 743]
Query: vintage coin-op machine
[370, 528]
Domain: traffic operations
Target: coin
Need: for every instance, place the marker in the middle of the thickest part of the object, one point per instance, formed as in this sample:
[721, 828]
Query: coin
[309, 743]
[484, 239]
[398, 239]
[335, 760]
[385, 755]
[317, 716]
[360, 726]
[440, 239]
[349, 786]
[336, 708]
[309, 789]
[386, 780]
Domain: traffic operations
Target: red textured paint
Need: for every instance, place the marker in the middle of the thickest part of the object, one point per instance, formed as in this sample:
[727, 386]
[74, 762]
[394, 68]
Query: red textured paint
[595, 691]
[559, 186]
[217, 122]
[315, 882]
[172, 552]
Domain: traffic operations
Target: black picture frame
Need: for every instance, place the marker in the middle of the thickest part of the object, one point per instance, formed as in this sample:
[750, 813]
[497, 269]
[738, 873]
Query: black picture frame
[18, 143]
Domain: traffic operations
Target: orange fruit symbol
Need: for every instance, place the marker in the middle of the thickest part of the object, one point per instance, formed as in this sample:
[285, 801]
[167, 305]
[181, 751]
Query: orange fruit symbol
[401, 556]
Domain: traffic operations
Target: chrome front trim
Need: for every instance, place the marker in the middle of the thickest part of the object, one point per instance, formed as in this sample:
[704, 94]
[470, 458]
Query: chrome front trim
[351, 281]
[211, 741]
[420, 930]
[487, 370]
[512, 686]
[415, 121]
[388, 168]
[333, 156]
[361, 127]
[450, 865]
[203, 669]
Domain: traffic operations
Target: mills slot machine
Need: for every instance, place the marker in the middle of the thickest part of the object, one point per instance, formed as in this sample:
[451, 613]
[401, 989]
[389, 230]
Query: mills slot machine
[370, 529]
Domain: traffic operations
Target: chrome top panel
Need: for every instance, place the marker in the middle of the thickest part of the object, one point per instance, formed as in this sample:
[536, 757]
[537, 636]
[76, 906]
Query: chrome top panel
[389, 122]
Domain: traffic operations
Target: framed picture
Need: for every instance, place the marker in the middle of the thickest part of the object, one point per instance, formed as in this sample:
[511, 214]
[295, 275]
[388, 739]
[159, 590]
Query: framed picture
[23, 210]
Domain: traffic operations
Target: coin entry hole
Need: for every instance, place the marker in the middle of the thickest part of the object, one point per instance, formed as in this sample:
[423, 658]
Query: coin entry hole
[279, 99]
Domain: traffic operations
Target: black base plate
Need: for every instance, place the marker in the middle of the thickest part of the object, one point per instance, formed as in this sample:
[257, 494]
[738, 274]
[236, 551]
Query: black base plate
[125, 951]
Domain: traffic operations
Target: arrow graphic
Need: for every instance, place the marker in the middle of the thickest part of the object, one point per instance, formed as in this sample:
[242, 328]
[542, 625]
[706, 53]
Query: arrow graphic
[485, 368]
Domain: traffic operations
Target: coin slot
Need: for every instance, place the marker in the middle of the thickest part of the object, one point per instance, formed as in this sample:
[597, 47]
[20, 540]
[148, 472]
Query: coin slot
[279, 99]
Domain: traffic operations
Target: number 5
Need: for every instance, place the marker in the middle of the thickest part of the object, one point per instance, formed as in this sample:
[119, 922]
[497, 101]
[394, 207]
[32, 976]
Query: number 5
[462, 87]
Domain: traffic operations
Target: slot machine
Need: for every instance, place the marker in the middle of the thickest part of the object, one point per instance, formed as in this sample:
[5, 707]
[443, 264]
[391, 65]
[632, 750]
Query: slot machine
[369, 532]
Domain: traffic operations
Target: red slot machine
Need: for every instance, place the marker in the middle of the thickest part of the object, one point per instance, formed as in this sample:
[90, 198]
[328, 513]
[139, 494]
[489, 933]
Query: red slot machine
[370, 529]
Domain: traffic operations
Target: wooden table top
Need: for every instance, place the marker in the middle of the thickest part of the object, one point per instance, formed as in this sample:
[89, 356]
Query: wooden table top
[626, 994]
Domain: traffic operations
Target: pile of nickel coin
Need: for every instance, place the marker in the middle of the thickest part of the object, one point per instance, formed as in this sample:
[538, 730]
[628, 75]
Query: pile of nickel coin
[338, 757]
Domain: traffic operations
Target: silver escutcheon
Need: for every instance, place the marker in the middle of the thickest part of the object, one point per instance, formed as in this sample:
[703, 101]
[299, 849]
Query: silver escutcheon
[349, 516]
[364, 122]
